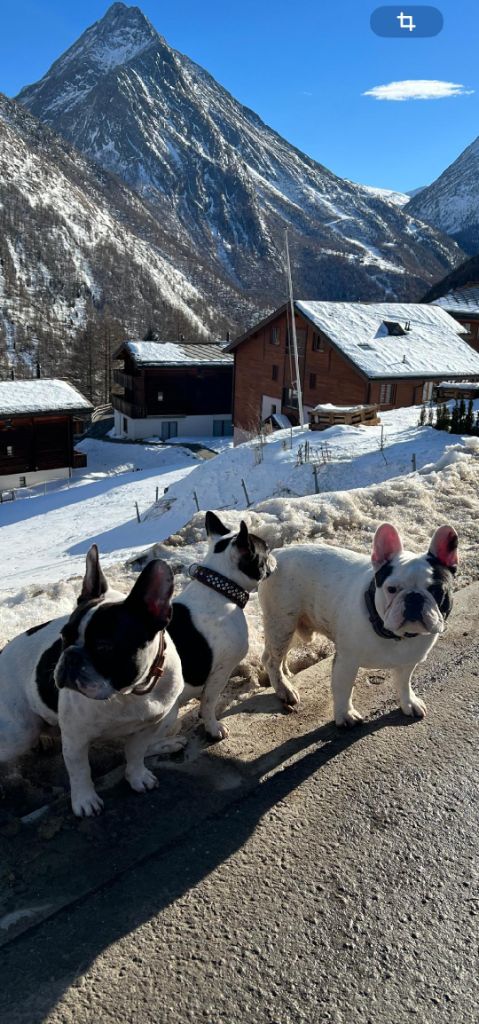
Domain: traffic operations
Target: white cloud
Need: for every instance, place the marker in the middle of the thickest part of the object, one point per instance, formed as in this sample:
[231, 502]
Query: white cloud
[417, 89]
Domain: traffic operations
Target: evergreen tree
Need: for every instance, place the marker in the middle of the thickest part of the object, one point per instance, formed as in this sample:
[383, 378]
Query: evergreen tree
[469, 418]
[462, 416]
[454, 428]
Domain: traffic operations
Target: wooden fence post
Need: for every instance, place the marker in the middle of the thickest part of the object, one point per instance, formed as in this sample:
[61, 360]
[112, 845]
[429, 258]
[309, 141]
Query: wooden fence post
[248, 503]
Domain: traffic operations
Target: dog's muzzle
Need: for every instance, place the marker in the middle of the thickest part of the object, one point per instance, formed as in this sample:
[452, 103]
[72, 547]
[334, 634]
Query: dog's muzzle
[74, 673]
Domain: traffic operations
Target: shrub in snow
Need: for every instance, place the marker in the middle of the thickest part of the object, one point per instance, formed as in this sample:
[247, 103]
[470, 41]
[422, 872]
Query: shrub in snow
[459, 420]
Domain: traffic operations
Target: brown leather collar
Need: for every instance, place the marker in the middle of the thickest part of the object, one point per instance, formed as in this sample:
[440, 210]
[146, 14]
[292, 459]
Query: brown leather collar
[155, 672]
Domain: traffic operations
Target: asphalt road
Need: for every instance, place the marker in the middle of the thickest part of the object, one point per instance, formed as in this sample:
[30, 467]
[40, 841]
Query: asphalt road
[333, 879]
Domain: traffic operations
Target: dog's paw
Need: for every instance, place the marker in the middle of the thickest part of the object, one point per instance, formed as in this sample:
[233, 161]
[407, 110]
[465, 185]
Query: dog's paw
[142, 781]
[288, 695]
[349, 719]
[170, 745]
[217, 730]
[87, 805]
[414, 708]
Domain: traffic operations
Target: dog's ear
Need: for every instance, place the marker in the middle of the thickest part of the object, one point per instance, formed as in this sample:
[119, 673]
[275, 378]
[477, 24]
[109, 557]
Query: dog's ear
[94, 583]
[214, 527]
[443, 547]
[150, 598]
[386, 544]
[242, 540]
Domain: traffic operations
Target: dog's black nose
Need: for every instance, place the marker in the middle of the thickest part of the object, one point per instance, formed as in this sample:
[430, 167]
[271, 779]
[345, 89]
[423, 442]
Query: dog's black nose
[413, 606]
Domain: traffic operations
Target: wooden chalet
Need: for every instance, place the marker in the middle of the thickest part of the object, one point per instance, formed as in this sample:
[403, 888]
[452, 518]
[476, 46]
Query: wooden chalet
[167, 389]
[383, 354]
[463, 305]
[38, 421]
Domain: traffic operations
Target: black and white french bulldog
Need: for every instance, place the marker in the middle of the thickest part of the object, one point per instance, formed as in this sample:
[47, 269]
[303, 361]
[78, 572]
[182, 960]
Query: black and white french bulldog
[209, 626]
[383, 613]
[105, 671]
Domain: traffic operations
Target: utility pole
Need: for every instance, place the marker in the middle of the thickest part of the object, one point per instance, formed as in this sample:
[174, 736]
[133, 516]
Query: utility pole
[295, 340]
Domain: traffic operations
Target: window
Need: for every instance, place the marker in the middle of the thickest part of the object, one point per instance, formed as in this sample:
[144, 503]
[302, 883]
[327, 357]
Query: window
[274, 336]
[169, 428]
[318, 343]
[274, 373]
[222, 428]
[396, 330]
[125, 425]
[386, 394]
[273, 409]
[160, 396]
[9, 451]
[467, 327]
[427, 391]
[312, 381]
[290, 397]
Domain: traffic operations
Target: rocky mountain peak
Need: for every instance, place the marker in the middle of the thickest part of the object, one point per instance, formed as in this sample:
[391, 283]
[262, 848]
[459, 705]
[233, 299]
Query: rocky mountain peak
[221, 182]
[121, 35]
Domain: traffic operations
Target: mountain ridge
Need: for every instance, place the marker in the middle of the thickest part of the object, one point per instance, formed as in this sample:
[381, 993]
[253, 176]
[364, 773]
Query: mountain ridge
[451, 202]
[223, 183]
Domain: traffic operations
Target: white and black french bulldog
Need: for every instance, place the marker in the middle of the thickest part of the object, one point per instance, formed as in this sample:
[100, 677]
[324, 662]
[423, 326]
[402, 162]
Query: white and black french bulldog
[105, 671]
[383, 613]
[208, 625]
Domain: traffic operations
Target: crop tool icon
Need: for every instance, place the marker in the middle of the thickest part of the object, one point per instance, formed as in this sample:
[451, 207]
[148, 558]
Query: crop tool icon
[406, 21]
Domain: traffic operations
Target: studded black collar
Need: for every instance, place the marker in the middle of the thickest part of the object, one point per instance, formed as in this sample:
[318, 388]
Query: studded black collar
[376, 620]
[216, 581]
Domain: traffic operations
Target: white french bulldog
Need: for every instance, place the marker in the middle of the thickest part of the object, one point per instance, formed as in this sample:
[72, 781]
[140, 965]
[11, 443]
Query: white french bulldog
[208, 625]
[387, 614]
[103, 672]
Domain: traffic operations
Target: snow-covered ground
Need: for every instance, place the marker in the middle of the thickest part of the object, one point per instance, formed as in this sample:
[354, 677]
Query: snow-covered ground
[363, 475]
[44, 535]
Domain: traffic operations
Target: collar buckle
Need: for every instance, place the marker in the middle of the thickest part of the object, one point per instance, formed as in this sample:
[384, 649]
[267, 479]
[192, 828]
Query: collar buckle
[156, 670]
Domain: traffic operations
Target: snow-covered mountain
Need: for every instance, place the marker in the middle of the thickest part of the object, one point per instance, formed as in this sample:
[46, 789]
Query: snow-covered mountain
[388, 194]
[451, 203]
[220, 181]
[78, 247]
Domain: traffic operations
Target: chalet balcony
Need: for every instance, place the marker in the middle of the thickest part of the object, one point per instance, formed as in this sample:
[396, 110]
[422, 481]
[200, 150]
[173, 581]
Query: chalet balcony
[136, 412]
[122, 381]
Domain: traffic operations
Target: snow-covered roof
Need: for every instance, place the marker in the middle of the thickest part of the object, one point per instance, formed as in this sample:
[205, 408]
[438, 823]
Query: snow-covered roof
[460, 301]
[429, 344]
[21, 397]
[169, 353]
[460, 385]
[279, 419]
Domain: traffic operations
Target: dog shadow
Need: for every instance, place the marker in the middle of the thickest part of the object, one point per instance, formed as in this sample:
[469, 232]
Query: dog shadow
[59, 950]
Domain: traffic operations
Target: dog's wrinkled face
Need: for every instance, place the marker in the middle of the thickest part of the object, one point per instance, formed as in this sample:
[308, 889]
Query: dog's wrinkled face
[244, 554]
[414, 593]
[110, 645]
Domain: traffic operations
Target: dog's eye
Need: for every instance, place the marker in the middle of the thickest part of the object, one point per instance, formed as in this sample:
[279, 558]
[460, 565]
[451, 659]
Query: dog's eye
[104, 647]
[392, 590]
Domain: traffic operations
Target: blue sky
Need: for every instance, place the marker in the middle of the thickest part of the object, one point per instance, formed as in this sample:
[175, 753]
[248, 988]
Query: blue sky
[303, 67]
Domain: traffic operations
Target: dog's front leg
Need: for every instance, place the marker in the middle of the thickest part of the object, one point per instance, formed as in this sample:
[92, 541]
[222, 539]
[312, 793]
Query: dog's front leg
[410, 704]
[344, 673]
[85, 799]
[137, 774]
[215, 684]
[165, 739]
